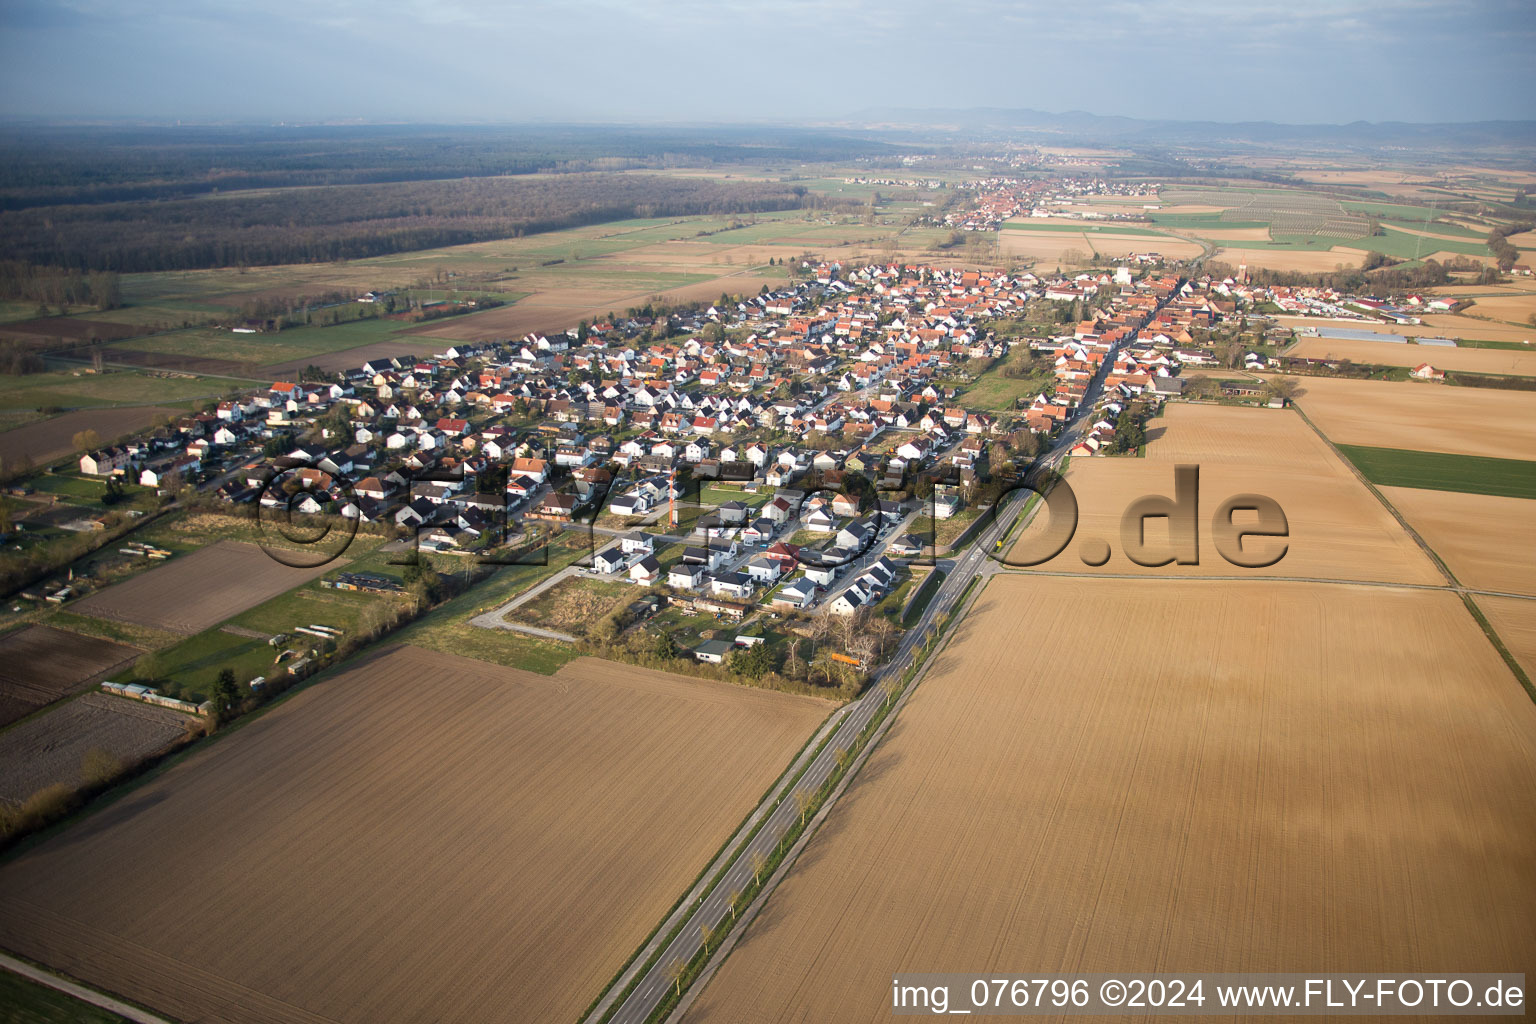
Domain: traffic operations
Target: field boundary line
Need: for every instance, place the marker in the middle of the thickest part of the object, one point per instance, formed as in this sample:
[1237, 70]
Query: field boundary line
[1477, 613]
[78, 991]
[646, 951]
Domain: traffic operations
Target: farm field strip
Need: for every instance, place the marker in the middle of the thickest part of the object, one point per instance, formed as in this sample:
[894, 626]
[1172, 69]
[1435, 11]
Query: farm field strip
[43, 441]
[1386, 353]
[1515, 621]
[1449, 325]
[41, 664]
[49, 749]
[1473, 474]
[535, 860]
[192, 592]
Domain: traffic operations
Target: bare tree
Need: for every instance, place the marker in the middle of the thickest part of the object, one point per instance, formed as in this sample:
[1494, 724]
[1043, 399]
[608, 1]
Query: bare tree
[794, 655]
[706, 935]
[675, 971]
[803, 801]
[864, 645]
[757, 862]
[821, 626]
[891, 687]
[735, 898]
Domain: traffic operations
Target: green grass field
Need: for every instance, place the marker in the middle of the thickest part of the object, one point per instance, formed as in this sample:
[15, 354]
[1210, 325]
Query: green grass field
[68, 391]
[1395, 211]
[257, 349]
[995, 393]
[26, 1002]
[447, 628]
[1195, 223]
[1392, 467]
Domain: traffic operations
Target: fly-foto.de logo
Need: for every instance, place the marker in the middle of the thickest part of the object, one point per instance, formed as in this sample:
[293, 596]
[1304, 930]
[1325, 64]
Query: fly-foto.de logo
[1248, 530]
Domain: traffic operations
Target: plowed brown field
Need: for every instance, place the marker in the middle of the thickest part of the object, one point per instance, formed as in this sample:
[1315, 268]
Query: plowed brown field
[1338, 530]
[46, 440]
[40, 664]
[422, 837]
[193, 592]
[1127, 776]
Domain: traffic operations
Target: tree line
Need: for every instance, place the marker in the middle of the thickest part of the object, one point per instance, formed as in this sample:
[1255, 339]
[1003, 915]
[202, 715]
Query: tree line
[356, 221]
[61, 165]
[1380, 278]
[56, 286]
[1498, 243]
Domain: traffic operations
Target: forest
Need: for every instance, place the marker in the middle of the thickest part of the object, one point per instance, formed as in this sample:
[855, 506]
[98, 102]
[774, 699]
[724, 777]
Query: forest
[340, 222]
[57, 166]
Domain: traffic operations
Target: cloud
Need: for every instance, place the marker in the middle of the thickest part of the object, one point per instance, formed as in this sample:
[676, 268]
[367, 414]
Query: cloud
[1291, 60]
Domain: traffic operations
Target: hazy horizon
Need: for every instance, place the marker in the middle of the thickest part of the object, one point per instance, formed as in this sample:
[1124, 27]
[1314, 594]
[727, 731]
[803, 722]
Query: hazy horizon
[598, 61]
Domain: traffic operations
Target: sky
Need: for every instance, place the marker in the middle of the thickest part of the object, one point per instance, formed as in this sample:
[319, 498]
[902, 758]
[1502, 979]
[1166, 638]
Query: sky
[443, 61]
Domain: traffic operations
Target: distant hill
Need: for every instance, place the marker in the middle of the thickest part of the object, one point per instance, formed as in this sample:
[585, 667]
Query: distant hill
[1082, 127]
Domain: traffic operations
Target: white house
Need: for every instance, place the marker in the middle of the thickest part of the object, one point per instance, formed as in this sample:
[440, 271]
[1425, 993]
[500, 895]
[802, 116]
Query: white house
[608, 561]
[684, 576]
[637, 543]
[646, 572]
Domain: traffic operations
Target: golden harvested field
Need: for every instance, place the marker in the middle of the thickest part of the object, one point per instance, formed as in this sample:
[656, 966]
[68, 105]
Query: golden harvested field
[1446, 255]
[1305, 261]
[1061, 245]
[192, 592]
[422, 837]
[1514, 619]
[1488, 541]
[1524, 240]
[560, 307]
[1516, 309]
[1069, 247]
[1338, 529]
[1385, 353]
[1118, 245]
[1221, 233]
[1204, 791]
[1422, 417]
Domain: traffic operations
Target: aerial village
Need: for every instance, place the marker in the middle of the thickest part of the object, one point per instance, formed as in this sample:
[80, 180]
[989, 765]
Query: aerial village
[788, 450]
